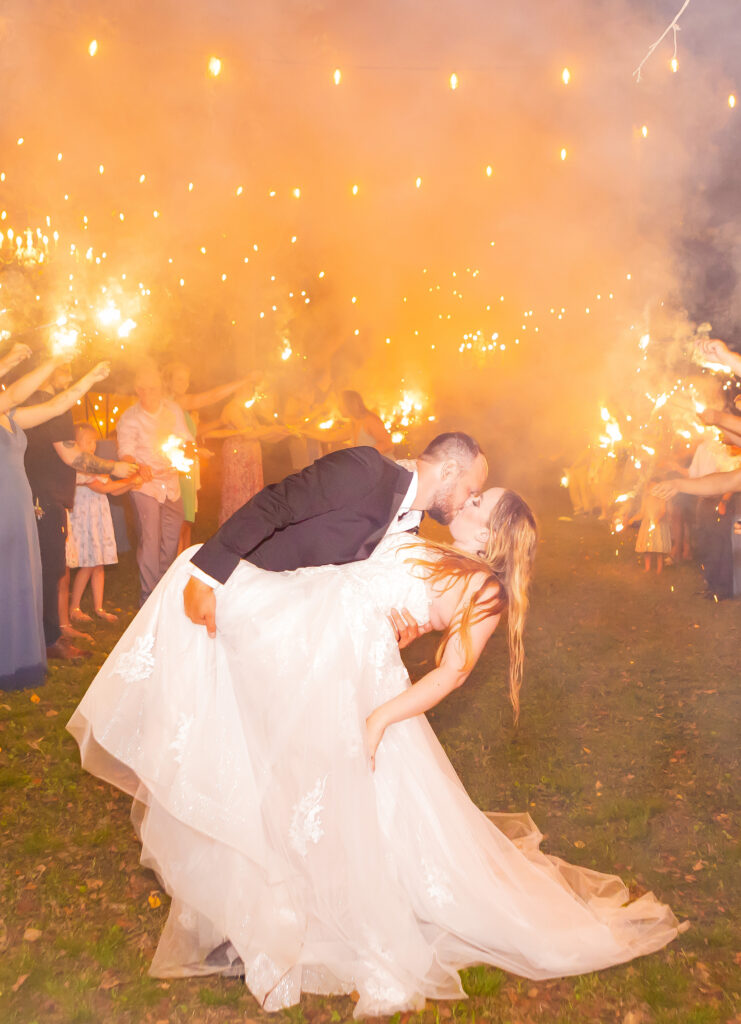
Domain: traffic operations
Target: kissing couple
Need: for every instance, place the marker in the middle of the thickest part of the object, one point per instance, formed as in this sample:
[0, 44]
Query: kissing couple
[288, 790]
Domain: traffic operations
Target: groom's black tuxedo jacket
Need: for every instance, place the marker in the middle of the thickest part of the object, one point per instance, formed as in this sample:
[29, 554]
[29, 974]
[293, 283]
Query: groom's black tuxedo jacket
[334, 511]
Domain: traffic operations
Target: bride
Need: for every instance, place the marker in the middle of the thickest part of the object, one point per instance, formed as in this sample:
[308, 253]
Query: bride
[297, 806]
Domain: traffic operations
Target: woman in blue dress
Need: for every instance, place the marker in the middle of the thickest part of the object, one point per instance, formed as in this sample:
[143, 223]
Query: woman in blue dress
[22, 644]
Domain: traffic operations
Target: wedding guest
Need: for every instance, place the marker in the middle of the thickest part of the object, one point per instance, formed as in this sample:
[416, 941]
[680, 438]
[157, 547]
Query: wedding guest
[176, 379]
[142, 431]
[23, 645]
[91, 543]
[367, 426]
[52, 460]
[654, 539]
[242, 429]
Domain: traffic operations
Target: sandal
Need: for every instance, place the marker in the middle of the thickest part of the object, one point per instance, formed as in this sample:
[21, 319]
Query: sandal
[106, 616]
[69, 630]
[77, 615]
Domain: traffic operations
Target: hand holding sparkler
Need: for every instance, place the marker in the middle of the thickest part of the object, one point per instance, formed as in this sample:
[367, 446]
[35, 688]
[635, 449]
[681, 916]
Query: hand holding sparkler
[17, 354]
[99, 372]
[715, 353]
[124, 470]
[667, 489]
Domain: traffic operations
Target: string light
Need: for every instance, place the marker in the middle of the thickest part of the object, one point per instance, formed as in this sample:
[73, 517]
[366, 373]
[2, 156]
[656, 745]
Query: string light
[337, 76]
[453, 81]
[732, 101]
[214, 66]
[93, 47]
[565, 76]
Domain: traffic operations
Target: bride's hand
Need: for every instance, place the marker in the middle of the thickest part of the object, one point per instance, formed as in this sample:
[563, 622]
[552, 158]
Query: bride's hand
[374, 731]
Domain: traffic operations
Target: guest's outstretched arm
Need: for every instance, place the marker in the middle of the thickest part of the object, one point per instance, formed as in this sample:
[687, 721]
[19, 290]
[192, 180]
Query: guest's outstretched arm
[31, 415]
[11, 359]
[705, 486]
[17, 392]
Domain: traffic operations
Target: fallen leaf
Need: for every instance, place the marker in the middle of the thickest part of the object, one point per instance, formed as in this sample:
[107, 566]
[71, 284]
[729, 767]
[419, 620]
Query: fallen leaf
[109, 981]
[579, 844]
[31, 934]
[634, 1017]
[532, 993]
[699, 865]
[35, 699]
[19, 982]
[154, 899]
[52, 714]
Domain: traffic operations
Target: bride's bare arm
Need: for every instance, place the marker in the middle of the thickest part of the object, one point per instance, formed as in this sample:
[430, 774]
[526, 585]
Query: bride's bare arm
[431, 688]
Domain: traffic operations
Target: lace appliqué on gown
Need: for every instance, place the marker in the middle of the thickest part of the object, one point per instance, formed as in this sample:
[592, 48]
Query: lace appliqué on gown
[185, 724]
[137, 663]
[306, 823]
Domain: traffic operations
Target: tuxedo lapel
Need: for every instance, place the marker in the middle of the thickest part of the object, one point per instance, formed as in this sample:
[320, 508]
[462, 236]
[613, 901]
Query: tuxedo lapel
[399, 483]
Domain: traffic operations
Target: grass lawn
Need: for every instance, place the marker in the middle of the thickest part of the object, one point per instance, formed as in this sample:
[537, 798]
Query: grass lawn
[627, 757]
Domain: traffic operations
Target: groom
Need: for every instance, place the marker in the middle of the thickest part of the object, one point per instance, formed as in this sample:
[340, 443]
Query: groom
[335, 511]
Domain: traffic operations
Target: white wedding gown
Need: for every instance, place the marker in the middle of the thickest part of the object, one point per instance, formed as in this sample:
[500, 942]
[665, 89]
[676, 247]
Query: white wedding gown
[257, 809]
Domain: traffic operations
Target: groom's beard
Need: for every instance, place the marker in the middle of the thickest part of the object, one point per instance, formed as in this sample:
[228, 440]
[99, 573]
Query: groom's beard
[442, 509]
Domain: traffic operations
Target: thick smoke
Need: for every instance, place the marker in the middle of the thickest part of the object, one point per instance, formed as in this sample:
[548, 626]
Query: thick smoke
[426, 265]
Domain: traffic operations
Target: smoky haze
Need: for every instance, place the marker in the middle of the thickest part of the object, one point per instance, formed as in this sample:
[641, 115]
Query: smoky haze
[429, 265]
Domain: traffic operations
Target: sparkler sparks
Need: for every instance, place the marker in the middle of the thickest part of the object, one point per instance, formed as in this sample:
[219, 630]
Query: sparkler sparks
[174, 451]
[64, 339]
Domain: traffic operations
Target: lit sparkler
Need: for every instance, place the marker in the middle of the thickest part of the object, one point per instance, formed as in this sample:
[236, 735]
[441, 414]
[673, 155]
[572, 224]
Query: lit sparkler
[64, 339]
[174, 451]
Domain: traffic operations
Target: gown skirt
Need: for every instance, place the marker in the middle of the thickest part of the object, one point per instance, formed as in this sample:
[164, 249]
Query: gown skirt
[257, 809]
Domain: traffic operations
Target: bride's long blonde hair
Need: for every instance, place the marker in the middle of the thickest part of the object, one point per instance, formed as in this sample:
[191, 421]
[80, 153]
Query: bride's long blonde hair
[507, 562]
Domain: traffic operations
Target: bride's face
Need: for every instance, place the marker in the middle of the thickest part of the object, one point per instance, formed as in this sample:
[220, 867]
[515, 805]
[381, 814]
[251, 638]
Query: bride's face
[470, 528]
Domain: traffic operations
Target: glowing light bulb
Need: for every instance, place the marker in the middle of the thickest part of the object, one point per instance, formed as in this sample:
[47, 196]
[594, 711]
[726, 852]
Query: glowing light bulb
[644, 131]
[418, 183]
[489, 170]
[355, 190]
[190, 186]
[142, 178]
[214, 66]
[564, 153]
[240, 190]
[337, 76]
[454, 81]
[732, 101]
[565, 76]
[93, 47]
[101, 169]
[297, 193]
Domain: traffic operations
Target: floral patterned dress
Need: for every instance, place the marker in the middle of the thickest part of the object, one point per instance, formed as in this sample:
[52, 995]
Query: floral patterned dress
[90, 539]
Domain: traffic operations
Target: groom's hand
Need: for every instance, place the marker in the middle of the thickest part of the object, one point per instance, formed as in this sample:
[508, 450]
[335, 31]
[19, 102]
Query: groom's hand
[200, 604]
[406, 628]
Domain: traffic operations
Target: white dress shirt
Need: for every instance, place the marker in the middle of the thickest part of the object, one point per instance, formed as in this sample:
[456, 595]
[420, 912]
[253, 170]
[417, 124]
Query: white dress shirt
[141, 434]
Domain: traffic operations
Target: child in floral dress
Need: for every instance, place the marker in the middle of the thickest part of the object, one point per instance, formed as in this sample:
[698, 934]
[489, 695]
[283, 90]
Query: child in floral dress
[91, 543]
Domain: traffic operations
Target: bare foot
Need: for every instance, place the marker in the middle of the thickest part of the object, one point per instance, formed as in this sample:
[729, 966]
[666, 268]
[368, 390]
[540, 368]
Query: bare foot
[106, 616]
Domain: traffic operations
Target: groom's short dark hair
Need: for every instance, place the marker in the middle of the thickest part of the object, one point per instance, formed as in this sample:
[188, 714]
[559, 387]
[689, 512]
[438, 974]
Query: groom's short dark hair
[453, 445]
